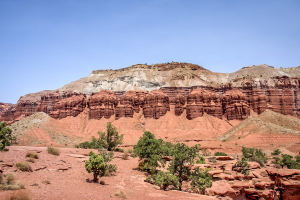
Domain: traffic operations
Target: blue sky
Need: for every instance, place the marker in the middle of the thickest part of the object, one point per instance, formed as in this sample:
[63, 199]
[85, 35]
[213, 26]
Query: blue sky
[47, 44]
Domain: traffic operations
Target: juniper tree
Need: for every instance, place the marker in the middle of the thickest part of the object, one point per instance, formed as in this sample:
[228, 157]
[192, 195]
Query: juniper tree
[5, 135]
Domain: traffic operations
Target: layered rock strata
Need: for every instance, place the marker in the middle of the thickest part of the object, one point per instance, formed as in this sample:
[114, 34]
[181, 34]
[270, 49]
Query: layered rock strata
[226, 101]
[71, 106]
[156, 104]
[102, 104]
[203, 101]
[130, 102]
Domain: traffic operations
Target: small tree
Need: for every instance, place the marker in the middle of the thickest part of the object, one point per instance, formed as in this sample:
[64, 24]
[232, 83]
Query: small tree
[182, 157]
[244, 166]
[200, 180]
[5, 135]
[111, 139]
[276, 152]
[97, 165]
[164, 179]
[151, 151]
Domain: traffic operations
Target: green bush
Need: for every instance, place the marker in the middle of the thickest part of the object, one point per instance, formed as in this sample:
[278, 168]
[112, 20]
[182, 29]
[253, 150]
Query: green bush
[97, 165]
[200, 160]
[24, 166]
[289, 163]
[297, 158]
[108, 157]
[151, 150]
[109, 140]
[5, 136]
[130, 151]
[244, 165]
[164, 179]
[255, 155]
[53, 151]
[276, 152]
[220, 154]
[200, 180]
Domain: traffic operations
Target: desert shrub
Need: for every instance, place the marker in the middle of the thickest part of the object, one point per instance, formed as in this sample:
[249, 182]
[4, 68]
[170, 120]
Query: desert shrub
[10, 178]
[109, 140]
[130, 150]
[200, 160]
[120, 194]
[31, 154]
[8, 182]
[53, 151]
[276, 152]
[5, 136]
[164, 179]
[244, 165]
[212, 159]
[182, 156]
[97, 165]
[200, 180]
[30, 160]
[289, 163]
[205, 152]
[255, 155]
[297, 158]
[119, 150]
[125, 156]
[46, 182]
[151, 151]
[24, 166]
[134, 155]
[220, 154]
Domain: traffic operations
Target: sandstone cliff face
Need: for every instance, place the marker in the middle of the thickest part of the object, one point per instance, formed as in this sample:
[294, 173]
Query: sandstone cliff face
[71, 106]
[201, 101]
[130, 102]
[156, 104]
[102, 104]
[4, 107]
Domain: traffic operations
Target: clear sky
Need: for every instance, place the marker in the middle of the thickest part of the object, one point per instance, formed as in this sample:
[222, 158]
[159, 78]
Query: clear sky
[45, 44]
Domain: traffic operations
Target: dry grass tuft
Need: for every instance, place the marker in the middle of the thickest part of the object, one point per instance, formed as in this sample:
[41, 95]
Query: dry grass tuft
[46, 182]
[8, 182]
[53, 151]
[120, 194]
[125, 156]
[24, 166]
[32, 154]
[30, 160]
[20, 195]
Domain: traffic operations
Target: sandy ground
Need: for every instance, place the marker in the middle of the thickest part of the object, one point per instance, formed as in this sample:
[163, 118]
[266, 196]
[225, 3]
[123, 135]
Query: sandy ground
[67, 177]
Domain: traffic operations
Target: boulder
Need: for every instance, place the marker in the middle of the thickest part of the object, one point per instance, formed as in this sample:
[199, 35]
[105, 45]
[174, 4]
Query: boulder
[221, 188]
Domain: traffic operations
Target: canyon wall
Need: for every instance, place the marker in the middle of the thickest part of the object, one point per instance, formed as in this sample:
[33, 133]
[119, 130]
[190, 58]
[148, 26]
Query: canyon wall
[224, 102]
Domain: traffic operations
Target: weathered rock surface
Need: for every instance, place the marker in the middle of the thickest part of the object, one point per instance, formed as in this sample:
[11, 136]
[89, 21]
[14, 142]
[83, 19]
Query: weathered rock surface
[102, 104]
[156, 104]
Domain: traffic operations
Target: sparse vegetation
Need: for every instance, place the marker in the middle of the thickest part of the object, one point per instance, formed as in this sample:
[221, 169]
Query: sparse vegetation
[205, 152]
[182, 156]
[53, 151]
[109, 140]
[200, 180]
[212, 159]
[5, 135]
[276, 152]
[24, 166]
[31, 154]
[244, 166]
[120, 194]
[8, 182]
[200, 160]
[220, 154]
[255, 155]
[130, 150]
[150, 150]
[108, 157]
[164, 179]
[125, 156]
